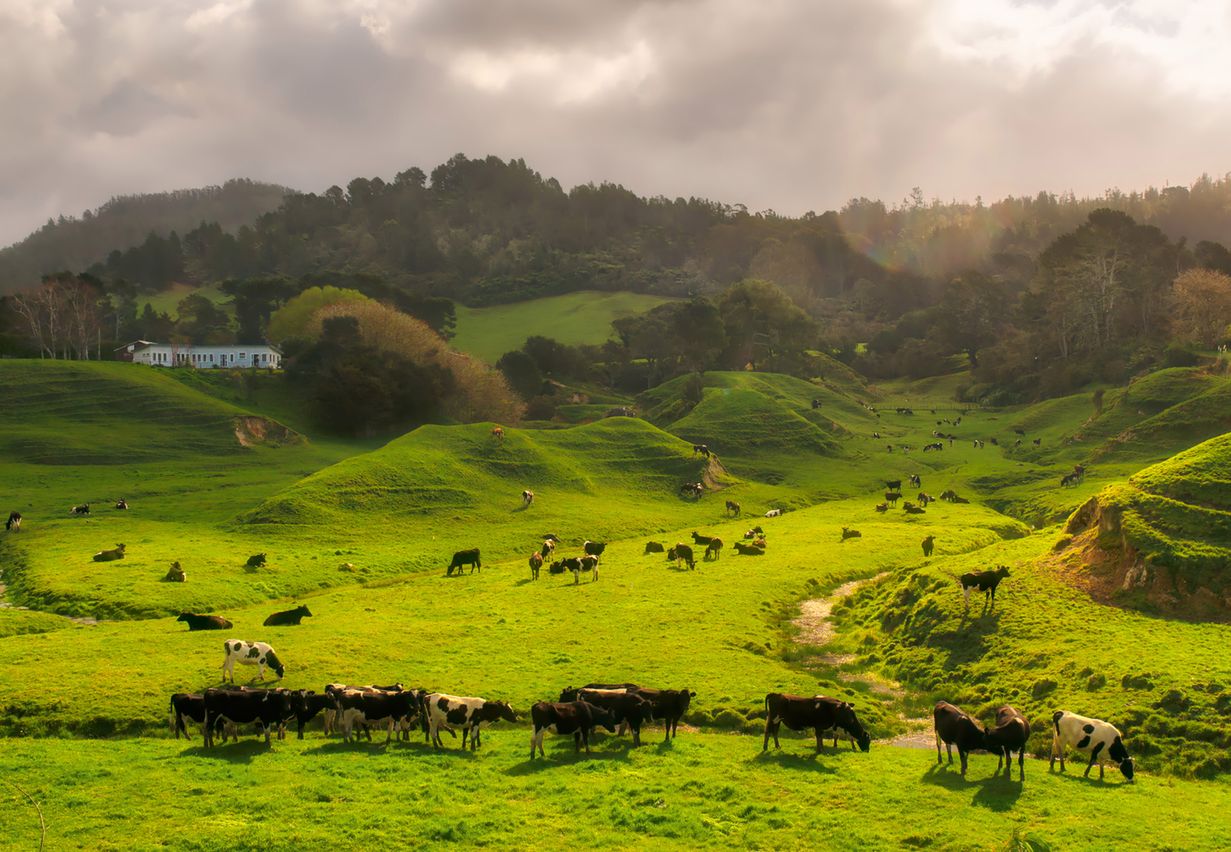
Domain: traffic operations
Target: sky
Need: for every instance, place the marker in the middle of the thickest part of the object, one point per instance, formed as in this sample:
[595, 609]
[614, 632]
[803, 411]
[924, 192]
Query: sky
[790, 105]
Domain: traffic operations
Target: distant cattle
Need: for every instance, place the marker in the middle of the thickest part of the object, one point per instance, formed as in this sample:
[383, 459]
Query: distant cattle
[121, 504]
[915, 481]
[701, 449]
[911, 509]
[681, 553]
[465, 557]
[754, 532]
[1010, 735]
[374, 707]
[549, 547]
[256, 560]
[928, 545]
[586, 564]
[732, 509]
[536, 562]
[924, 498]
[1095, 736]
[819, 713]
[1037, 442]
[468, 713]
[984, 581]
[568, 563]
[250, 654]
[948, 494]
[699, 539]
[288, 618]
[882, 507]
[204, 622]
[578, 718]
[81, 509]
[268, 708]
[594, 548]
[498, 433]
[556, 567]
[653, 547]
[692, 489]
[527, 497]
[954, 727]
[713, 549]
[847, 532]
[816, 403]
[744, 548]
[892, 497]
[175, 574]
[893, 484]
[13, 524]
[773, 513]
[110, 555]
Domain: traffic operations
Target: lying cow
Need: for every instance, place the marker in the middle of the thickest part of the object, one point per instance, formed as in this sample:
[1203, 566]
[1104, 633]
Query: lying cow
[204, 622]
[653, 547]
[578, 718]
[847, 532]
[744, 548]
[110, 555]
[1095, 736]
[13, 524]
[799, 713]
[121, 504]
[250, 654]
[256, 560]
[955, 727]
[465, 557]
[448, 711]
[81, 509]
[288, 617]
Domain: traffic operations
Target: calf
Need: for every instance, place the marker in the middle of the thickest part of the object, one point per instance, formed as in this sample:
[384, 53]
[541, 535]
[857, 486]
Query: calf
[847, 532]
[110, 555]
[732, 509]
[682, 553]
[267, 707]
[1010, 735]
[578, 718]
[1092, 735]
[204, 622]
[653, 547]
[799, 713]
[954, 727]
[984, 581]
[536, 562]
[713, 549]
[928, 545]
[288, 618]
[465, 557]
[250, 654]
[594, 548]
[882, 507]
[444, 711]
[627, 707]
[13, 524]
[81, 509]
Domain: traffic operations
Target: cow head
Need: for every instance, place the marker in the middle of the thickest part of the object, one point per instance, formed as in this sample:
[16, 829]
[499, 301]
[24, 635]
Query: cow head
[601, 716]
[849, 722]
[271, 660]
[503, 710]
[183, 616]
[569, 694]
[1119, 754]
[303, 611]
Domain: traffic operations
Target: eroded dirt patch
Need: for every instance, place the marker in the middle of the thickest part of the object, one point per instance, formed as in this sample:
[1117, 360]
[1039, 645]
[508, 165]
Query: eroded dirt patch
[252, 431]
[815, 627]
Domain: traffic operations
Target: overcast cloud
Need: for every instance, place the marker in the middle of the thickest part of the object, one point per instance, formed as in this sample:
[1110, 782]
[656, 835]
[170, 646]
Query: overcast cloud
[784, 104]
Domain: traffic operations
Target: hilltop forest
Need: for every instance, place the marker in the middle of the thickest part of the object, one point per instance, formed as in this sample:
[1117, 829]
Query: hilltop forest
[1038, 296]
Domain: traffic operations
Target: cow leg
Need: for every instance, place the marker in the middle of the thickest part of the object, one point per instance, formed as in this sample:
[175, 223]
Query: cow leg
[769, 724]
[389, 733]
[949, 752]
[939, 759]
[205, 735]
[961, 753]
[577, 741]
[1000, 759]
[1021, 764]
[817, 731]
[534, 737]
[1094, 755]
[585, 738]
[266, 729]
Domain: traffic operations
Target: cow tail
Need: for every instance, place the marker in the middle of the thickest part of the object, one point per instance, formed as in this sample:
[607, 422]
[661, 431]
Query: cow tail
[1055, 720]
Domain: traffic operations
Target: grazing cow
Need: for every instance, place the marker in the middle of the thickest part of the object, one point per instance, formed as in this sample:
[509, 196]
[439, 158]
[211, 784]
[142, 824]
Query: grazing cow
[911, 509]
[882, 507]
[733, 509]
[928, 544]
[626, 706]
[847, 532]
[578, 718]
[773, 513]
[288, 618]
[536, 562]
[594, 548]
[498, 433]
[1092, 735]
[1010, 735]
[892, 497]
[549, 547]
[699, 539]
[373, 707]
[267, 707]
[468, 713]
[681, 553]
[13, 524]
[584, 564]
[934, 446]
[915, 481]
[713, 549]
[743, 548]
[754, 532]
[465, 557]
[701, 449]
[692, 489]
[653, 547]
[984, 581]
[250, 654]
[800, 713]
[954, 727]
[204, 622]
[527, 497]
[110, 555]
[893, 484]
[121, 504]
[82, 509]
[256, 560]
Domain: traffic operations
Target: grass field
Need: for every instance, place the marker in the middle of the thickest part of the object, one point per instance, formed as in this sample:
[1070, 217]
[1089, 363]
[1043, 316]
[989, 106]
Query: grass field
[582, 317]
[167, 302]
[361, 533]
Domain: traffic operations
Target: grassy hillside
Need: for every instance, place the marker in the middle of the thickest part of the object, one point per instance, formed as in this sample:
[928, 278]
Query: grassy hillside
[167, 301]
[581, 317]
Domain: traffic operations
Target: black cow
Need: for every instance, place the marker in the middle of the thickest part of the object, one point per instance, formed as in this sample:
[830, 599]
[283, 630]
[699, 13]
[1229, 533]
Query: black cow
[701, 449]
[465, 557]
[594, 548]
[1010, 735]
[984, 581]
[81, 509]
[188, 705]
[289, 617]
[699, 539]
[653, 547]
[955, 727]
[578, 718]
[682, 553]
[204, 622]
[743, 548]
[893, 484]
[627, 707]
[556, 567]
[799, 713]
[266, 707]
[256, 560]
[928, 545]
[13, 524]
[305, 704]
[668, 705]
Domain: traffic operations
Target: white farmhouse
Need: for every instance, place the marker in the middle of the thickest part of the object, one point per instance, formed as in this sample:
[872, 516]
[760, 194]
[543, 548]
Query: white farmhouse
[203, 357]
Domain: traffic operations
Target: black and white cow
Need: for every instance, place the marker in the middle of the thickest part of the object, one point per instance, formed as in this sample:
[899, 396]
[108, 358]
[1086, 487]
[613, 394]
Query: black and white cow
[682, 553]
[267, 707]
[289, 617]
[1095, 736]
[984, 581]
[956, 727]
[527, 497]
[584, 564]
[594, 548]
[468, 713]
[121, 504]
[1010, 735]
[13, 524]
[578, 718]
[80, 509]
[822, 714]
[374, 707]
[204, 622]
[465, 557]
[250, 654]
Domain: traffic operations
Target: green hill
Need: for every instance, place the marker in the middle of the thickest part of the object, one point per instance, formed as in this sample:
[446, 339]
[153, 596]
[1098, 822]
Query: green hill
[581, 317]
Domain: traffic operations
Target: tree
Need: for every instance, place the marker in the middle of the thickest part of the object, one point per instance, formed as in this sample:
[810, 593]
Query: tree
[202, 321]
[1202, 306]
[295, 317]
[970, 314]
[63, 316]
[522, 373]
[764, 327]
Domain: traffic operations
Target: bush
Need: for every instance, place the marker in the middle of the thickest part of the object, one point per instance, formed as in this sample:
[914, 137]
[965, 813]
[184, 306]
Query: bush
[1176, 355]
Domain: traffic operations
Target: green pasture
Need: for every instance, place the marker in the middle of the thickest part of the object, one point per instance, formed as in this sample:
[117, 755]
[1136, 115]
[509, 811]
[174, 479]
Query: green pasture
[167, 301]
[580, 317]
